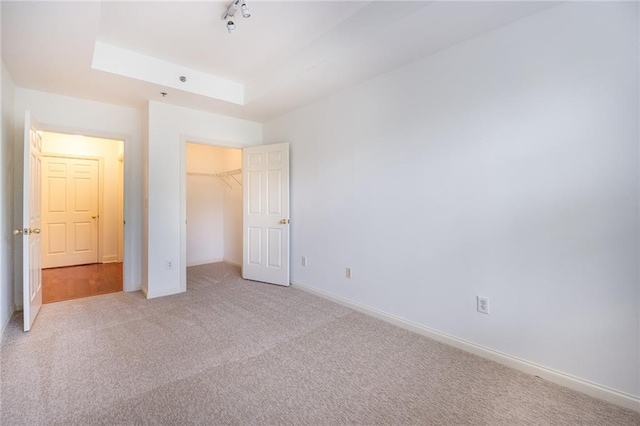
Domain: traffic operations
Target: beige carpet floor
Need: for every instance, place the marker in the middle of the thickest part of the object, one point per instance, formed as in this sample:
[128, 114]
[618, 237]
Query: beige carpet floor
[230, 351]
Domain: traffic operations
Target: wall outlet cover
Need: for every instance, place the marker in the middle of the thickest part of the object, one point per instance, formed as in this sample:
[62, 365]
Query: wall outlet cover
[482, 304]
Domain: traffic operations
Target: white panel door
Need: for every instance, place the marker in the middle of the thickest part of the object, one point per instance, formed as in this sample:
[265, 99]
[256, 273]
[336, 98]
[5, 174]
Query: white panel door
[265, 247]
[70, 212]
[31, 220]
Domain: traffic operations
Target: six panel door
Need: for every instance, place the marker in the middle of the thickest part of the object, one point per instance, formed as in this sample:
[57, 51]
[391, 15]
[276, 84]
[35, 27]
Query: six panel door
[70, 211]
[266, 214]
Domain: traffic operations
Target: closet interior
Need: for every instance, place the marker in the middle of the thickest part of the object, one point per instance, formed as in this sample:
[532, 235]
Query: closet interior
[214, 204]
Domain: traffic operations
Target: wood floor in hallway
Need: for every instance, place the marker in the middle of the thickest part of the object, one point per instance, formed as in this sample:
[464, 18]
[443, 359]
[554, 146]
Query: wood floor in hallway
[75, 282]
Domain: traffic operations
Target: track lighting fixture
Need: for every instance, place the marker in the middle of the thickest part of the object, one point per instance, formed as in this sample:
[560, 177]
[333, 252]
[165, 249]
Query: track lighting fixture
[231, 11]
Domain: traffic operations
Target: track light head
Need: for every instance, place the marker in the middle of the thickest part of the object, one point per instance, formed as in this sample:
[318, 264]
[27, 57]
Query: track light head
[231, 27]
[245, 10]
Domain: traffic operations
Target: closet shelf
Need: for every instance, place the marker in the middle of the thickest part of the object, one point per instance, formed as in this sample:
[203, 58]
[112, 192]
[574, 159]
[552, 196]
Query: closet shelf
[224, 176]
[230, 173]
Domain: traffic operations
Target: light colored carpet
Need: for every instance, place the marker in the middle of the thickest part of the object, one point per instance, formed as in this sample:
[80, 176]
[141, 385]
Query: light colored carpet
[230, 351]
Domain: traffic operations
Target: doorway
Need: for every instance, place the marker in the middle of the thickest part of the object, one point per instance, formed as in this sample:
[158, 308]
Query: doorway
[213, 204]
[82, 216]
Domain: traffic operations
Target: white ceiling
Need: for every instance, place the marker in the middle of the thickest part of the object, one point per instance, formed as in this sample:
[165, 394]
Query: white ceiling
[287, 54]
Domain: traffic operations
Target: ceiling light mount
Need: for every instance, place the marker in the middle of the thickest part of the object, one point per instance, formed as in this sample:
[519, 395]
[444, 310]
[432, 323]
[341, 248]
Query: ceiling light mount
[231, 12]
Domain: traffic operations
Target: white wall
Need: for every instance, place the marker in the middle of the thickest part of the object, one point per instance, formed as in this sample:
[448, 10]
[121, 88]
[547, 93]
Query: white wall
[144, 274]
[233, 209]
[205, 201]
[72, 115]
[110, 151]
[505, 166]
[7, 304]
[214, 208]
[169, 129]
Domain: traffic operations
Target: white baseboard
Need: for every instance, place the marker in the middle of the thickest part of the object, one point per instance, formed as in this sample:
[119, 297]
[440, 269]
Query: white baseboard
[110, 259]
[144, 292]
[231, 262]
[161, 293]
[131, 289]
[598, 391]
[6, 322]
[204, 262]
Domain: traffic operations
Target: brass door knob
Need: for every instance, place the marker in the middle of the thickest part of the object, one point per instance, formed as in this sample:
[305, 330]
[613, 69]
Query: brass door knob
[34, 231]
[17, 231]
[93, 217]
[284, 221]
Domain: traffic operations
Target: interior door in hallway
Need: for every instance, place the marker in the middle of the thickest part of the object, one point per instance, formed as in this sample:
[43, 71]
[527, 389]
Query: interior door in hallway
[265, 224]
[70, 211]
[31, 222]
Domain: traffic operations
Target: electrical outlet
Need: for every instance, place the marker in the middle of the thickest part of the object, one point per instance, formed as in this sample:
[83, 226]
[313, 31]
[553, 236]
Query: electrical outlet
[347, 273]
[304, 260]
[169, 264]
[483, 304]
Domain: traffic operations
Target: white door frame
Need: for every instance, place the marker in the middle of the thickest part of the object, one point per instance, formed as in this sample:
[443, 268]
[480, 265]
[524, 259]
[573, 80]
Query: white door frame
[100, 161]
[129, 283]
[184, 139]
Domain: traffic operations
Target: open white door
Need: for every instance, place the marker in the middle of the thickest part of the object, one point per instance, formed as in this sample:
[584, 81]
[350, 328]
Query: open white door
[265, 226]
[31, 199]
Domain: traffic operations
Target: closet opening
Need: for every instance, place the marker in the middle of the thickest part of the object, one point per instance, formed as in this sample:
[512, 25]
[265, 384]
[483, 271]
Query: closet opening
[213, 204]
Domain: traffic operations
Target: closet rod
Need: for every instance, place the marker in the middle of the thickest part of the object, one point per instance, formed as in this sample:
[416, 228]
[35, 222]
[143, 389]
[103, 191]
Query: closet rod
[223, 176]
[230, 172]
[202, 174]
